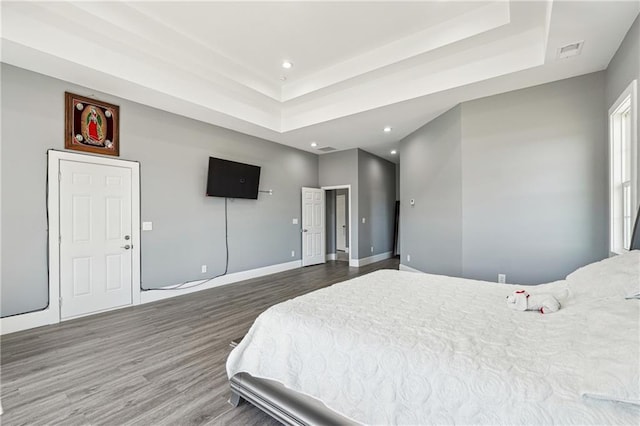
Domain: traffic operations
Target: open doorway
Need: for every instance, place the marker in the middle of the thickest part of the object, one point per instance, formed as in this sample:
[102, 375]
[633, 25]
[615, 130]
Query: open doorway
[338, 214]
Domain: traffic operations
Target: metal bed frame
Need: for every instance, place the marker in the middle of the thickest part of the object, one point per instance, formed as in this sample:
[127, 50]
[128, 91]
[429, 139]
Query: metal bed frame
[285, 405]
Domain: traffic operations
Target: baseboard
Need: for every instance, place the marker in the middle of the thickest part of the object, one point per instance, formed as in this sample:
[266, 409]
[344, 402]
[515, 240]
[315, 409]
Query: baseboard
[409, 269]
[332, 256]
[27, 321]
[47, 316]
[154, 295]
[371, 259]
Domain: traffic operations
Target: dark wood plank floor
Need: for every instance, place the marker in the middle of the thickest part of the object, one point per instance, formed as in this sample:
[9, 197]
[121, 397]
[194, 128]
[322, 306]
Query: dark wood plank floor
[160, 363]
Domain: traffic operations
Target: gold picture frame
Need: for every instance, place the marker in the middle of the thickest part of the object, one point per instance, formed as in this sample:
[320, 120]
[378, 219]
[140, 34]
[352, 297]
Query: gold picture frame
[91, 125]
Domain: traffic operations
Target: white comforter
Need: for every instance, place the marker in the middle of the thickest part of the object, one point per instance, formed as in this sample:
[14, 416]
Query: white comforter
[397, 347]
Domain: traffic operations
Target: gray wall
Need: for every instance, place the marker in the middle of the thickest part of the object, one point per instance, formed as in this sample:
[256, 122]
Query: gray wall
[376, 203]
[397, 182]
[330, 221]
[514, 183]
[431, 174]
[341, 168]
[399, 242]
[373, 187]
[188, 227]
[331, 218]
[624, 68]
[345, 192]
[534, 181]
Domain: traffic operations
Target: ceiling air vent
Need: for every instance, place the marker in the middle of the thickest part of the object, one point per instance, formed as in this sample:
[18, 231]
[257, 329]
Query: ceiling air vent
[327, 149]
[573, 49]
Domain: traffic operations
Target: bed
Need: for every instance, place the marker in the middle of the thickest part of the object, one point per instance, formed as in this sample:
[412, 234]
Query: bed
[395, 347]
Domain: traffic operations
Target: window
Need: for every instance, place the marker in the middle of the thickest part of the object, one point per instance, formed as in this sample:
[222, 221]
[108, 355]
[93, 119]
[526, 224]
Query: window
[623, 180]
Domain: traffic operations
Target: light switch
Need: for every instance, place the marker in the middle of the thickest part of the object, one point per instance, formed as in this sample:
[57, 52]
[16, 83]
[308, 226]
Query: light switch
[364, 220]
[147, 226]
[294, 221]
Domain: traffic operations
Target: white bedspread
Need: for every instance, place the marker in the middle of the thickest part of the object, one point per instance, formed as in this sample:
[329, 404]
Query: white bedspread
[397, 347]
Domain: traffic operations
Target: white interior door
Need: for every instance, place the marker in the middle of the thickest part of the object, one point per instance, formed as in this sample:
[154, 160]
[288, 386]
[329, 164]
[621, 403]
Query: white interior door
[313, 239]
[341, 223]
[95, 238]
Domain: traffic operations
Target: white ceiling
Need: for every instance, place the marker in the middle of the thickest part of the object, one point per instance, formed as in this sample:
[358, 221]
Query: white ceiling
[358, 66]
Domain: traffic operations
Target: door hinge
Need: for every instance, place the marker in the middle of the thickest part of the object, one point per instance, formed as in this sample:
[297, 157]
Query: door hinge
[60, 301]
[59, 239]
[59, 176]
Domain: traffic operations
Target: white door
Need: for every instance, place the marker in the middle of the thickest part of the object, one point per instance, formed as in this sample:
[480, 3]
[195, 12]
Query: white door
[95, 238]
[341, 223]
[313, 251]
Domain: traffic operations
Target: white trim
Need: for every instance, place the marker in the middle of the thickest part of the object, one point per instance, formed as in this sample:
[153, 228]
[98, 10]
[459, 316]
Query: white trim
[31, 320]
[51, 314]
[323, 240]
[45, 317]
[136, 263]
[348, 187]
[630, 92]
[336, 230]
[154, 295]
[372, 259]
[54, 220]
[332, 256]
[409, 269]
[101, 311]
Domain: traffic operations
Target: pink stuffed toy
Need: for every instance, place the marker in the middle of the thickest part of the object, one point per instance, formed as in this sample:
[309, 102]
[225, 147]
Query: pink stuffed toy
[520, 300]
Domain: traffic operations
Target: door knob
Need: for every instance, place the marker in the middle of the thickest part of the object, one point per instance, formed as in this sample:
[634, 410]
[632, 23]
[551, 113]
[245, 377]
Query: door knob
[127, 247]
[305, 230]
[127, 237]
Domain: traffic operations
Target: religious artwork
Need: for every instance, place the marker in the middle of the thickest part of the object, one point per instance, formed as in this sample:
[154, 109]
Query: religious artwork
[91, 125]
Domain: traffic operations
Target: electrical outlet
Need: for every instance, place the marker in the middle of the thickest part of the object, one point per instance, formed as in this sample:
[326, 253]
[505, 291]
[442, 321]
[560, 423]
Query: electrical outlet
[502, 278]
[408, 258]
[371, 249]
[293, 253]
[203, 269]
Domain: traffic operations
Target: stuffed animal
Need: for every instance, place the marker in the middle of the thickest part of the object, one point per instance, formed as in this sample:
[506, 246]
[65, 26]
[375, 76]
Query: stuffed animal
[520, 300]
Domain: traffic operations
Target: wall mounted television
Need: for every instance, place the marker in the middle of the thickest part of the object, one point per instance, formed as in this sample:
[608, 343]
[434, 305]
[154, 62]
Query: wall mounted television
[230, 179]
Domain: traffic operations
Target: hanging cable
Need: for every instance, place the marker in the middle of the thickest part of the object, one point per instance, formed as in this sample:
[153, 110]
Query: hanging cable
[46, 210]
[184, 285]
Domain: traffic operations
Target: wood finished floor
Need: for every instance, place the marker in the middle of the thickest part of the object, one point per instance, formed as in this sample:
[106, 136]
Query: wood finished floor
[162, 363]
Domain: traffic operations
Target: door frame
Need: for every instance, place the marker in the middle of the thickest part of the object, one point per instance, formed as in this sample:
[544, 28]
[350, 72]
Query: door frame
[348, 187]
[346, 249]
[324, 225]
[53, 210]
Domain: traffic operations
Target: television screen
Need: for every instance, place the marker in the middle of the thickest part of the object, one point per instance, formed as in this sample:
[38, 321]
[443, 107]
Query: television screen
[232, 180]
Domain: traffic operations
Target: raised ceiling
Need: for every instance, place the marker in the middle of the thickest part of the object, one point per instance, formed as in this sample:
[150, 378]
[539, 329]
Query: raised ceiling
[357, 66]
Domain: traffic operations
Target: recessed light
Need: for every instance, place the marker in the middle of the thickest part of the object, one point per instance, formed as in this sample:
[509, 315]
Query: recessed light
[394, 152]
[387, 129]
[287, 64]
[314, 144]
[283, 78]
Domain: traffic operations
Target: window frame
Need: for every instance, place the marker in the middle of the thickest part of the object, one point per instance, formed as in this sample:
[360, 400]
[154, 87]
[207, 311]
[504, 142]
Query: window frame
[627, 101]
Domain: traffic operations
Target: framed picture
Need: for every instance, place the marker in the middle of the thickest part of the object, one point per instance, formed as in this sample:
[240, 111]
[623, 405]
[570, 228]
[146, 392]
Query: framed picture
[91, 125]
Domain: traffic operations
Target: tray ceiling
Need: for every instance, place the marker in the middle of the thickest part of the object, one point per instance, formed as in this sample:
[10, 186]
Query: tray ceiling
[357, 66]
